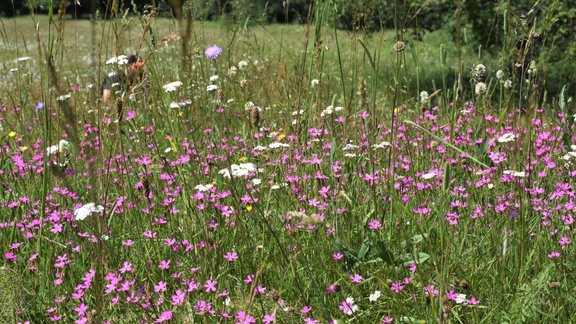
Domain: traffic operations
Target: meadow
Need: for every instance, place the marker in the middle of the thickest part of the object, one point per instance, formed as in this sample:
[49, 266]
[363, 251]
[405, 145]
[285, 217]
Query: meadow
[278, 174]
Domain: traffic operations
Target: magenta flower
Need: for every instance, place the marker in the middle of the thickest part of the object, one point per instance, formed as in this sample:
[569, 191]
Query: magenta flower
[374, 224]
[355, 278]
[210, 285]
[231, 256]
[179, 297]
[212, 52]
[269, 318]
[164, 317]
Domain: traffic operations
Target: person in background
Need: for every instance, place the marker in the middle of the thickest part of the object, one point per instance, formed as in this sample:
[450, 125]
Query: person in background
[126, 79]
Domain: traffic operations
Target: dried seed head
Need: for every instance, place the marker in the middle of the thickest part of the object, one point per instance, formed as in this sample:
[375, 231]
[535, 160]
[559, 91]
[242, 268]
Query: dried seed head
[119, 108]
[399, 46]
[145, 185]
[254, 117]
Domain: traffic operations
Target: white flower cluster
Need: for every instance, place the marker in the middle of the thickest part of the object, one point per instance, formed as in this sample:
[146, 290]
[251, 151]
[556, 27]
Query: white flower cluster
[119, 60]
[62, 146]
[239, 170]
[508, 137]
[87, 210]
[330, 109]
[172, 86]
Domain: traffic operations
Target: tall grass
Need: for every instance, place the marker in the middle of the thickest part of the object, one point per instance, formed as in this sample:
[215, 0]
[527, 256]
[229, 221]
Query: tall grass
[301, 175]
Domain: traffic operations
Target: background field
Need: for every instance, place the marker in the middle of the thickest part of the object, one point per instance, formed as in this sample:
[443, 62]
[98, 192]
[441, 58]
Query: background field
[308, 173]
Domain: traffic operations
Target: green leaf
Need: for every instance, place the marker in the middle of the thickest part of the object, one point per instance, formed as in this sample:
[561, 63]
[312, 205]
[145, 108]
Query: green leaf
[382, 252]
[419, 258]
[363, 249]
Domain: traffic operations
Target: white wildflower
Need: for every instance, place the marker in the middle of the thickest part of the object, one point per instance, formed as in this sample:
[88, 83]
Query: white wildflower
[242, 65]
[515, 174]
[298, 112]
[23, 58]
[211, 87]
[256, 182]
[508, 137]
[248, 105]
[213, 78]
[203, 188]
[172, 86]
[499, 74]
[174, 105]
[460, 299]
[374, 297]
[350, 147]
[508, 84]
[120, 60]
[86, 210]
[381, 145]
[314, 82]
[479, 70]
[428, 176]
[64, 97]
[327, 111]
[239, 170]
[277, 145]
[424, 97]
[480, 88]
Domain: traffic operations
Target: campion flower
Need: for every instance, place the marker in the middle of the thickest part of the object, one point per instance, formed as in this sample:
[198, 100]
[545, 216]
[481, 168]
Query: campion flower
[508, 137]
[347, 306]
[172, 86]
[212, 52]
[86, 210]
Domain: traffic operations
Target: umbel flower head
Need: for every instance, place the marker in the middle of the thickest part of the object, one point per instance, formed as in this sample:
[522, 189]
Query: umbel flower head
[212, 52]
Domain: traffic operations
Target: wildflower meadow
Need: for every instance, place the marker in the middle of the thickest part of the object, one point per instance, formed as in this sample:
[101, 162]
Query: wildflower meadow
[250, 172]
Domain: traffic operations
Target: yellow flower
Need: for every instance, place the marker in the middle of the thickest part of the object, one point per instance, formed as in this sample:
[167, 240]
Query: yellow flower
[23, 148]
[242, 159]
[281, 136]
[249, 208]
[12, 134]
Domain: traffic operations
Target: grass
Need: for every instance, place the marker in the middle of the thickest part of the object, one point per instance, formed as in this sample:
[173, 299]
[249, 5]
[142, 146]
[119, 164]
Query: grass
[261, 198]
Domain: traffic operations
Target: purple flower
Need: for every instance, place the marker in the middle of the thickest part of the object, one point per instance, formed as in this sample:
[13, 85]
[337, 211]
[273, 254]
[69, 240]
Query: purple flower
[212, 52]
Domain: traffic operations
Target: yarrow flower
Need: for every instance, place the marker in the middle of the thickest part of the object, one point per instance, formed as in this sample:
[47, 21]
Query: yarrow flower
[172, 86]
[374, 297]
[508, 137]
[424, 97]
[212, 52]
